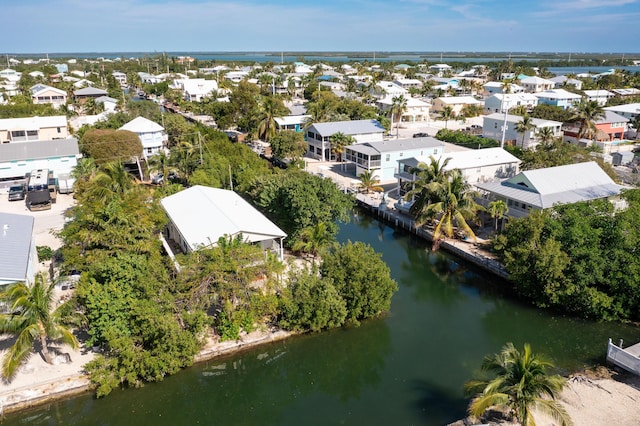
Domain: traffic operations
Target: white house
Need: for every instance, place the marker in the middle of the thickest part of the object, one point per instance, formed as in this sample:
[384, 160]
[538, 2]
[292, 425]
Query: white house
[381, 158]
[493, 87]
[562, 80]
[440, 69]
[33, 129]
[18, 254]
[504, 102]
[558, 97]
[110, 104]
[319, 135]
[476, 165]
[196, 89]
[409, 83]
[43, 94]
[544, 188]
[292, 122]
[457, 103]
[600, 96]
[120, 77]
[416, 110]
[536, 84]
[493, 123]
[151, 134]
[199, 216]
[629, 111]
[383, 89]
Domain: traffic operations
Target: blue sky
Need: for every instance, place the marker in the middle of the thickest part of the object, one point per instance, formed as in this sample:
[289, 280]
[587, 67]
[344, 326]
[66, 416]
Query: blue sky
[43, 26]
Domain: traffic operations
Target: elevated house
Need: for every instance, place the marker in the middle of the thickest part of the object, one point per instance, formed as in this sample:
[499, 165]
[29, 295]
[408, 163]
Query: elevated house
[199, 216]
[416, 110]
[563, 81]
[493, 123]
[81, 95]
[504, 102]
[476, 165]
[558, 97]
[545, 188]
[457, 103]
[151, 134]
[536, 84]
[33, 129]
[292, 122]
[493, 87]
[197, 89]
[18, 255]
[43, 94]
[381, 158]
[599, 96]
[628, 111]
[609, 132]
[318, 135]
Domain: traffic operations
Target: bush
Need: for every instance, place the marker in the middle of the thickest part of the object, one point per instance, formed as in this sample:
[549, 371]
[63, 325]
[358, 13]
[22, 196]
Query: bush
[44, 253]
[457, 137]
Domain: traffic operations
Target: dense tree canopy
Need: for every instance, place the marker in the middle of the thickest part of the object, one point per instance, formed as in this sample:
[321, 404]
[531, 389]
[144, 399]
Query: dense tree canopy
[110, 145]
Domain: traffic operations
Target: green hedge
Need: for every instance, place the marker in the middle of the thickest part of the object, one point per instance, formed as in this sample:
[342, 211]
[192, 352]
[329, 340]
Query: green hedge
[457, 137]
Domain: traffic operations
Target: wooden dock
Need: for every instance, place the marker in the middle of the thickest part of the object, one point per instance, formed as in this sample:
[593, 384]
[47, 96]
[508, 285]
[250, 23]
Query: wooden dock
[628, 359]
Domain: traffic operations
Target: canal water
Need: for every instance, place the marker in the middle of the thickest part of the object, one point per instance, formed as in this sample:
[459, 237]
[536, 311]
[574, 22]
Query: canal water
[404, 369]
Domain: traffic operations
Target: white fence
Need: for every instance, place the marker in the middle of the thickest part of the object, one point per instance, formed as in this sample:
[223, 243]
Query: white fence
[622, 358]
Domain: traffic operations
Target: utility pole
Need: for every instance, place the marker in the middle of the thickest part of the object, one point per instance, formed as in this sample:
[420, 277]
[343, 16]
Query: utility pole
[200, 145]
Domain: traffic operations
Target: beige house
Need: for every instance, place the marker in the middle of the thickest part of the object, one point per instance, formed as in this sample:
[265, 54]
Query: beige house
[416, 110]
[33, 129]
[43, 94]
[457, 103]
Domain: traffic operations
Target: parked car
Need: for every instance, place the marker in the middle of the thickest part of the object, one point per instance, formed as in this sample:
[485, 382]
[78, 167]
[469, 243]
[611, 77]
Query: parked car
[420, 135]
[16, 192]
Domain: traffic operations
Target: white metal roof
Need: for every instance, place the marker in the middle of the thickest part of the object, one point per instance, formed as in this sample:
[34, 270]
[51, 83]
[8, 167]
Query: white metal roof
[626, 108]
[142, 125]
[512, 118]
[395, 145]
[16, 236]
[291, 119]
[33, 123]
[203, 215]
[475, 158]
[557, 94]
[544, 188]
[353, 127]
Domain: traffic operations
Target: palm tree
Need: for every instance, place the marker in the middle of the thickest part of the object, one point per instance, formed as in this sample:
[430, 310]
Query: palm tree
[85, 169]
[587, 113]
[523, 126]
[31, 318]
[160, 163]
[368, 182]
[267, 126]
[446, 114]
[545, 135]
[425, 176]
[451, 202]
[314, 239]
[338, 142]
[498, 209]
[398, 107]
[111, 181]
[521, 384]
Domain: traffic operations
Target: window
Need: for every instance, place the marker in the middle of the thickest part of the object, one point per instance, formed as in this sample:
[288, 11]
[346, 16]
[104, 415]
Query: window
[401, 154]
[59, 131]
[387, 157]
[495, 125]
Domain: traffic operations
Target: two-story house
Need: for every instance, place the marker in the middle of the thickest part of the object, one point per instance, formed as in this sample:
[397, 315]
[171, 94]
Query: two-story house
[558, 97]
[151, 134]
[504, 102]
[492, 128]
[43, 94]
[319, 135]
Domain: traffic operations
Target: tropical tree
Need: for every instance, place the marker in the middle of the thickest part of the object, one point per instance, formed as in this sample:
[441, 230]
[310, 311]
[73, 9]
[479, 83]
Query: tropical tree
[160, 163]
[338, 142]
[523, 126]
[450, 202]
[446, 114]
[268, 114]
[110, 182]
[522, 384]
[314, 239]
[425, 176]
[587, 113]
[498, 209]
[545, 135]
[398, 107]
[32, 317]
[369, 182]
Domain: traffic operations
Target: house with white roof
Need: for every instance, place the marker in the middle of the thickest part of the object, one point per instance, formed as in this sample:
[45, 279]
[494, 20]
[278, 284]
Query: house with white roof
[151, 134]
[536, 84]
[18, 159]
[28, 129]
[197, 89]
[18, 254]
[493, 87]
[476, 165]
[236, 76]
[629, 92]
[600, 96]
[147, 78]
[504, 102]
[292, 122]
[319, 135]
[409, 83]
[562, 81]
[109, 104]
[416, 109]
[457, 103]
[120, 77]
[492, 128]
[199, 216]
[381, 158]
[383, 89]
[81, 95]
[545, 188]
[558, 97]
[440, 69]
[628, 111]
[43, 94]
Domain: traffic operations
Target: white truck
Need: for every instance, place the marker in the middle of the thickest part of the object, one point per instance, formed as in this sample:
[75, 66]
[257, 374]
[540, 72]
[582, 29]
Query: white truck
[65, 183]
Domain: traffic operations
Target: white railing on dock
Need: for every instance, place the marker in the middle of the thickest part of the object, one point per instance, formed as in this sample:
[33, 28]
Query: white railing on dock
[622, 358]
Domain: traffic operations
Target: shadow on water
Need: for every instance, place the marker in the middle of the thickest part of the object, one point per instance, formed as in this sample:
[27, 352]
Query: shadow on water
[436, 403]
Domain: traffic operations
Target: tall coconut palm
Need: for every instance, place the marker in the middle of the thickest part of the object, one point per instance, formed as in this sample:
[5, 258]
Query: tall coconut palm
[451, 204]
[498, 209]
[523, 126]
[160, 163]
[111, 181]
[338, 142]
[398, 107]
[268, 114]
[446, 114]
[522, 383]
[32, 318]
[425, 175]
[369, 183]
[587, 113]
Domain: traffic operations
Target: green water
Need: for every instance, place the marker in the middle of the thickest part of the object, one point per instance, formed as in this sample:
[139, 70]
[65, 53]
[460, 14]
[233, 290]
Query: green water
[407, 368]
